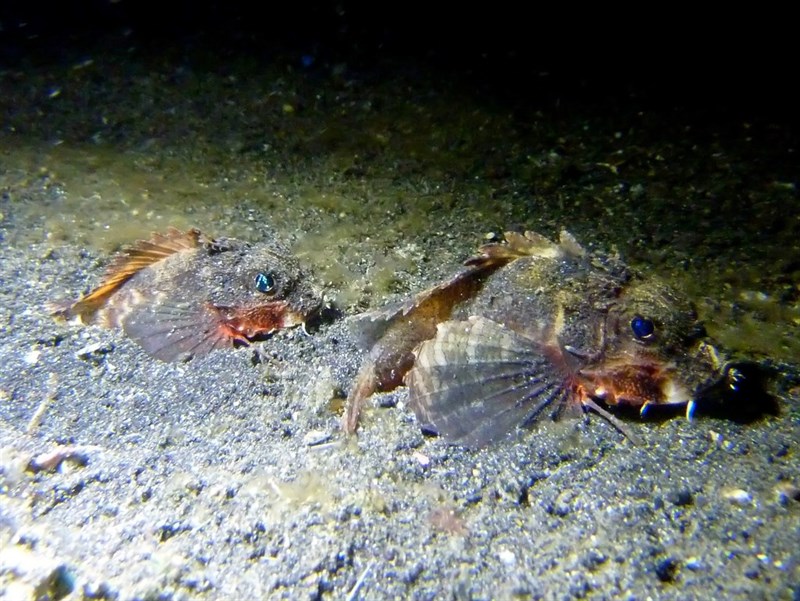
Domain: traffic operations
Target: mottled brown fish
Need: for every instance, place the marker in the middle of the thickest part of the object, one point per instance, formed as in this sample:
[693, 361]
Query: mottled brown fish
[531, 327]
[183, 294]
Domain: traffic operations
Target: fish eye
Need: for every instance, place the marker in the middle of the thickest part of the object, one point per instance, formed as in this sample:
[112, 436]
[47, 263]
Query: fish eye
[642, 327]
[265, 282]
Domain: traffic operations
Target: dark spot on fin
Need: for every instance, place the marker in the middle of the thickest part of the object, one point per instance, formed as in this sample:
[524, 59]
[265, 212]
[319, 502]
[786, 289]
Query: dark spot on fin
[128, 263]
[477, 381]
[178, 331]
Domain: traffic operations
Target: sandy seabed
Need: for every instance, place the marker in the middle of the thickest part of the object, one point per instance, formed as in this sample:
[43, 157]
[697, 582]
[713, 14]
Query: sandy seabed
[122, 477]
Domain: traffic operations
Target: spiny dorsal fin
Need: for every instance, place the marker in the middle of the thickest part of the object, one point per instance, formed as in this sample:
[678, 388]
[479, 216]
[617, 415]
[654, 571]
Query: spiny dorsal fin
[128, 263]
[570, 245]
[515, 246]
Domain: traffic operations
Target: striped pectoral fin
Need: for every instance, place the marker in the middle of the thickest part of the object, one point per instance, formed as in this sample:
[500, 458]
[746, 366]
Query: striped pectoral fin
[179, 331]
[477, 381]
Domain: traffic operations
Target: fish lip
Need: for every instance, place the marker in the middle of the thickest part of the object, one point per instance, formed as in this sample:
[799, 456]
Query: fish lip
[259, 320]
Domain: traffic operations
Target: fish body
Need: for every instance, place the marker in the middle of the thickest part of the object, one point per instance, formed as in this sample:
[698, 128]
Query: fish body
[528, 328]
[182, 294]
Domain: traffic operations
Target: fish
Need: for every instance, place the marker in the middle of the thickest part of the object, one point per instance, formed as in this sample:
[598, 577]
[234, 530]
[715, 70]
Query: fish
[529, 328]
[182, 294]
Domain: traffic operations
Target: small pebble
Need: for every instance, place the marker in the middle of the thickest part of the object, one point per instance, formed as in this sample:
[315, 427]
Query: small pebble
[422, 459]
[681, 498]
[316, 437]
[737, 495]
[94, 349]
[593, 559]
[716, 438]
[665, 569]
[752, 572]
[54, 460]
[32, 357]
[507, 558]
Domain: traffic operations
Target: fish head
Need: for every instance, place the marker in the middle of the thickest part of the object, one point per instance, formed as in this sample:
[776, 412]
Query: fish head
[183, 294]
[613, 334]
[654, 349]
[261, 288]
[658, 354]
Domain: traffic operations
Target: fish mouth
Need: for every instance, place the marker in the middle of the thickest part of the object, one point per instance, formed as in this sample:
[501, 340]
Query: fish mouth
[252, 323]
[737, 391]
[635, 386]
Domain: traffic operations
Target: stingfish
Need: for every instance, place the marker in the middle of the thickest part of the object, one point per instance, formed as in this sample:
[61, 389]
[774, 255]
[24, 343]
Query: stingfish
[531, 327]
[182, 294]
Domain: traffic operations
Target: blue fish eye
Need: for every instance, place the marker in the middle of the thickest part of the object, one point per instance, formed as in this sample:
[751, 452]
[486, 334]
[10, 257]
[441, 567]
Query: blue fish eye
[264, 282]
[642, 327]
